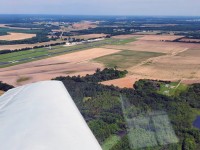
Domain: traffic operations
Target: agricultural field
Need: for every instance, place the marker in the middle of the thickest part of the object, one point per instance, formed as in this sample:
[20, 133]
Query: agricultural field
[16, 36]
[155, 46]
[126, 58]
[76, 63]
[88, 36]
[161, 37]
[15, 58]
[180, 61]
[144, 59]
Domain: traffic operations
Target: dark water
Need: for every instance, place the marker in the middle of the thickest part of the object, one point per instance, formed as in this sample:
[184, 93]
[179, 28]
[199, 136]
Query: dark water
[196, 123]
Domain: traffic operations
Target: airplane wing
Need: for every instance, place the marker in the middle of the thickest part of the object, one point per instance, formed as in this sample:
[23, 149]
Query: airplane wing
[43, 116]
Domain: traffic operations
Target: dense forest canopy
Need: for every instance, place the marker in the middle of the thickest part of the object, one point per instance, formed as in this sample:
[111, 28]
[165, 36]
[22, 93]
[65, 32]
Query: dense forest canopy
[102, 108]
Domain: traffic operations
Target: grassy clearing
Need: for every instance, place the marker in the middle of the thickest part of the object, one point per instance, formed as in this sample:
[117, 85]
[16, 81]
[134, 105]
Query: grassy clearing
[23, 79]
[124, 41]
[110, 142]
[172, 89]
[126, 58]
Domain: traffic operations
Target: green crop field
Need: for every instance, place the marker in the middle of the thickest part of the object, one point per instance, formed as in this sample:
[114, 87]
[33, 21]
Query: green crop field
[126, 58]
[125, 41]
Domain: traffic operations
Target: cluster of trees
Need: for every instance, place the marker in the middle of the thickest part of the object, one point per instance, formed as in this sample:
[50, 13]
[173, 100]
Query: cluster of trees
[98, 76]
[40, 37]
[102, 108]
[42, 31]
[5, 87]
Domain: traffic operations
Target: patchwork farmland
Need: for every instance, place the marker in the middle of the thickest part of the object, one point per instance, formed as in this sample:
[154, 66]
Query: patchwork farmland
[145, 57]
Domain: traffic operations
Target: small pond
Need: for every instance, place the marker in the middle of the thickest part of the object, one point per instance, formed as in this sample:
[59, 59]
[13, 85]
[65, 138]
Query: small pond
[196, 122]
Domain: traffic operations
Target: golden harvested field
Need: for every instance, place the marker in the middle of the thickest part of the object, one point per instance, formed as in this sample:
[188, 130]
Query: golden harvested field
[89, 36]
[77, 26]
[167, 68]
[123, 82]
[77, 63]
[16, 36]
[84, 25]
[181, 62]
[149, 37]
[155, 46]
[126, 36]
[160, 37]
[170, 67]
[191, 53]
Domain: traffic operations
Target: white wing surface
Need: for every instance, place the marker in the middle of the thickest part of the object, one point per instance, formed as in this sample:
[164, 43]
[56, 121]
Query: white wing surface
[42, 116]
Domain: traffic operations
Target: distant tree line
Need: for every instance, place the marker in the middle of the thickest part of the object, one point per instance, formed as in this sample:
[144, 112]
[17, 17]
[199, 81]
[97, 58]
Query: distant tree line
[98, 76]
[28, 48]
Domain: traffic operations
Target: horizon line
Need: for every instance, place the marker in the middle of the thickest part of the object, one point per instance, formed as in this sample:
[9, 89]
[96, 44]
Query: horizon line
[100, 15]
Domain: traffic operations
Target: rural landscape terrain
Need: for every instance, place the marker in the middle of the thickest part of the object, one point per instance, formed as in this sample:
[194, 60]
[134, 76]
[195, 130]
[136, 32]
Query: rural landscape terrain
[129, 76]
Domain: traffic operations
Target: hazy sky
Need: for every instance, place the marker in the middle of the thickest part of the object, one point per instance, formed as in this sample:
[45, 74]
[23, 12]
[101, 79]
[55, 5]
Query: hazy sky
[102, 7]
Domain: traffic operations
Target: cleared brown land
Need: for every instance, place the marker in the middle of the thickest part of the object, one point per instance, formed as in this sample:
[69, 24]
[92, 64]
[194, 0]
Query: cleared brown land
[77, 63]
[89, 36]
[191, 53]
[78, 26]
[128, 82]
[16, 36]
[126, 36]
[122, 82]
[150, 37]
[160, 37]
[155, 46]
[84, 25]
[1, 93]
[170, 68]
[147, 33]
